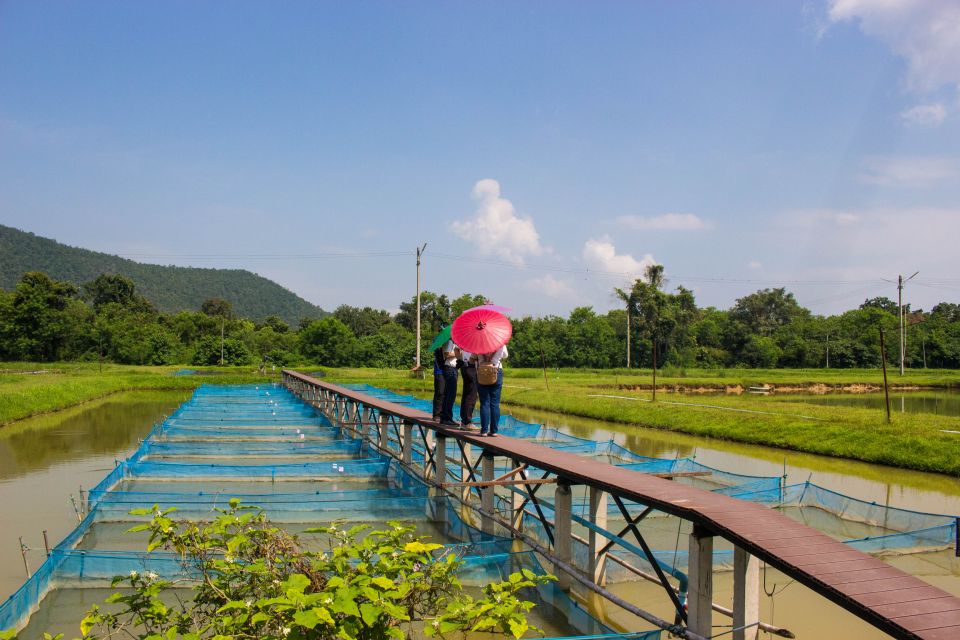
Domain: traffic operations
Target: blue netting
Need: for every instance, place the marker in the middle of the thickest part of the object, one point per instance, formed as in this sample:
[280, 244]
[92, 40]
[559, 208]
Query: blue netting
[271, 440]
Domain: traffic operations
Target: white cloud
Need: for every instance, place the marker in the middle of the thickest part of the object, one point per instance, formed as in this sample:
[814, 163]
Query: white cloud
[915, 171]
[753, 264]
[552, 287]
[665, 222]
[925, 115]
[601, 255]
[819, 219]
[926, 33]
[496, 229]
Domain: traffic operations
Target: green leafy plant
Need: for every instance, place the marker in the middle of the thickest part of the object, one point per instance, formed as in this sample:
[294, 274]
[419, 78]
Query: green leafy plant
[252, 579]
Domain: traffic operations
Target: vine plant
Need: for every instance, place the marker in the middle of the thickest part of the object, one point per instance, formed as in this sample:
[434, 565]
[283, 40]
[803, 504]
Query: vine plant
[251, 579]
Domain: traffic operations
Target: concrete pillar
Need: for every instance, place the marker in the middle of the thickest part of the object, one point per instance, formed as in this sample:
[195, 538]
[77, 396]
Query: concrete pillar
[440, 458]
[407, 445]
[466, 464]
[700, 574]
[383, 425]
[486, 495]
[367, 419]
[516, 502]
[746, 595]
[597, 562]
[562, 531]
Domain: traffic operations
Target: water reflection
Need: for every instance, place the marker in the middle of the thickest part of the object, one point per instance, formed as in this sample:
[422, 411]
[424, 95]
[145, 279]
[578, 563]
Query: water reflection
[945, 404]
[44, 460]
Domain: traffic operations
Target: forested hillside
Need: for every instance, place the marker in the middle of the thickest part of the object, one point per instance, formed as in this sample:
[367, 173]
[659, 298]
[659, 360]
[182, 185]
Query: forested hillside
[170, 289]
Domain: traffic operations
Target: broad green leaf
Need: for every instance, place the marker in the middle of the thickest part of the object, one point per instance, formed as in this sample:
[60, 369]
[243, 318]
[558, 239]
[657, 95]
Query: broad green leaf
[420, 547]
[518, 627]
[308, 618]
[370, 613]
[383, 583]
[296, 583]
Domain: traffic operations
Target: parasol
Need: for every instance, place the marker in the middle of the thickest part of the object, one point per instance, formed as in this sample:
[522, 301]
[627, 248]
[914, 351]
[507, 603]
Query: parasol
[441, 338]
[491, 307]
[481, 330]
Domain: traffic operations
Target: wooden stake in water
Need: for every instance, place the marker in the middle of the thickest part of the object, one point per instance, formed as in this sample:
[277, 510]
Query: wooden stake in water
[883, 360]
[46, 542]
[23, 554]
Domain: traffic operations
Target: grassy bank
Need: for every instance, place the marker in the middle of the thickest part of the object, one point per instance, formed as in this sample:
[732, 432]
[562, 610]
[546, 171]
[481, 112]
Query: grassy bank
[28, 389]
[912, 441]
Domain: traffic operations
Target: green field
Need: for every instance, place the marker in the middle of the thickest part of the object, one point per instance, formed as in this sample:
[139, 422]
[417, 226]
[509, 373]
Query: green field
[28, 389]
[912, 441]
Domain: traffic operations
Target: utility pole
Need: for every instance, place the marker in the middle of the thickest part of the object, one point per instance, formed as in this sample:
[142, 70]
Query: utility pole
[223, 320]
[420, 251]
[828, 350]
[903, 335]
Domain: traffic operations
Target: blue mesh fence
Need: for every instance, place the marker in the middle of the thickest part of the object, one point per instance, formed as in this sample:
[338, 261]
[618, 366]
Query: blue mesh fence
[251, 425]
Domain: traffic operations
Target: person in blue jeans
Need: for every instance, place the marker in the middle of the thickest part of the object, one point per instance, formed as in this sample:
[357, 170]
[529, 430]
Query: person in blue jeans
[490, 394]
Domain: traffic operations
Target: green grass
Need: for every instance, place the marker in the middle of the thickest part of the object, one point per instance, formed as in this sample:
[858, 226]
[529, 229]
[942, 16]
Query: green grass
[24, 393]
[911, 441]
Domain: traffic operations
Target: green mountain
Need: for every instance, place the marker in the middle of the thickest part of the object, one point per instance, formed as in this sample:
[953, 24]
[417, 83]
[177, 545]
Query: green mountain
[169, 288]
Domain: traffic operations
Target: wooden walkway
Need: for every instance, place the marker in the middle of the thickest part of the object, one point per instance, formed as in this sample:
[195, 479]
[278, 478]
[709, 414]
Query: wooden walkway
[889, 599]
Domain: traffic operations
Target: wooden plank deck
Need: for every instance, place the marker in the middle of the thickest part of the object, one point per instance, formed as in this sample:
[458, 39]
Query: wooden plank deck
[889, 599]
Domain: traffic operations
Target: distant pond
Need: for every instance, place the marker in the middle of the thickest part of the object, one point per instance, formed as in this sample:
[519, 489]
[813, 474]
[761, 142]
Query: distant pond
[940, 402]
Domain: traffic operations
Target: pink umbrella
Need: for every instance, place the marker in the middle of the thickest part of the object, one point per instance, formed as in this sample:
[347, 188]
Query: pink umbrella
[491, 307]
[481, 330]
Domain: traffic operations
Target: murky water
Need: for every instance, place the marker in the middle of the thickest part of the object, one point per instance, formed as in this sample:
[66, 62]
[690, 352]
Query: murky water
[791, 605]
[940, 403]
[45, 460]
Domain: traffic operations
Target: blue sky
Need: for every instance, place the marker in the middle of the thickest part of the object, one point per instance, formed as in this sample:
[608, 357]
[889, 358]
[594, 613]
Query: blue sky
[545, 151]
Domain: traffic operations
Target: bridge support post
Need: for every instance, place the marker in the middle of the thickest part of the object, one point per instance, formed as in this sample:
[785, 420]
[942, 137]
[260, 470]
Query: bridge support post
[746, 595]
[700, 574]
[440, 458]
[438, 500]
[383, 439]
[516, 505]
[486, 495]
[598, 517]
[365, 422]
[407, 444]
[466, 465]
[562, 531]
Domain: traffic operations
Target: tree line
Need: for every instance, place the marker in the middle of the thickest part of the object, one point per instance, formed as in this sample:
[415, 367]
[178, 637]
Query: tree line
[46, 320]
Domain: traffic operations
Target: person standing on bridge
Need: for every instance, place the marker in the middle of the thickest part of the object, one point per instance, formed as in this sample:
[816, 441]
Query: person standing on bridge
[449, 373]
[490, 383]
[468, 371]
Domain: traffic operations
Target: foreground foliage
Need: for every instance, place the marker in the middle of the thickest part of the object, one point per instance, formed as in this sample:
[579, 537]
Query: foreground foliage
[255, 580]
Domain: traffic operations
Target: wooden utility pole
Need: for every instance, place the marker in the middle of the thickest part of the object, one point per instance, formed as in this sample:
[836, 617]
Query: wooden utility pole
[886, 387]
[654, 369]
[543, 363]
[420, 251]
[628, 334]
[223, 321]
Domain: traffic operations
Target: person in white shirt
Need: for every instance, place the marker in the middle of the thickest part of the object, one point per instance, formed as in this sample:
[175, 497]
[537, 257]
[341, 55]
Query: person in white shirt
[468, 400]
[490, 393]
[449, 372]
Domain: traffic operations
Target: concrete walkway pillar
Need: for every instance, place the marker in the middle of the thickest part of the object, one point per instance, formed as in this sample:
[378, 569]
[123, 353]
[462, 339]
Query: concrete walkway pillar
[562, 531]
[516, 502]
[700, 574]
[597, 568]
[746, 595]
[486, 495]
[466, 465]
[383, 437]
[406, 446]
